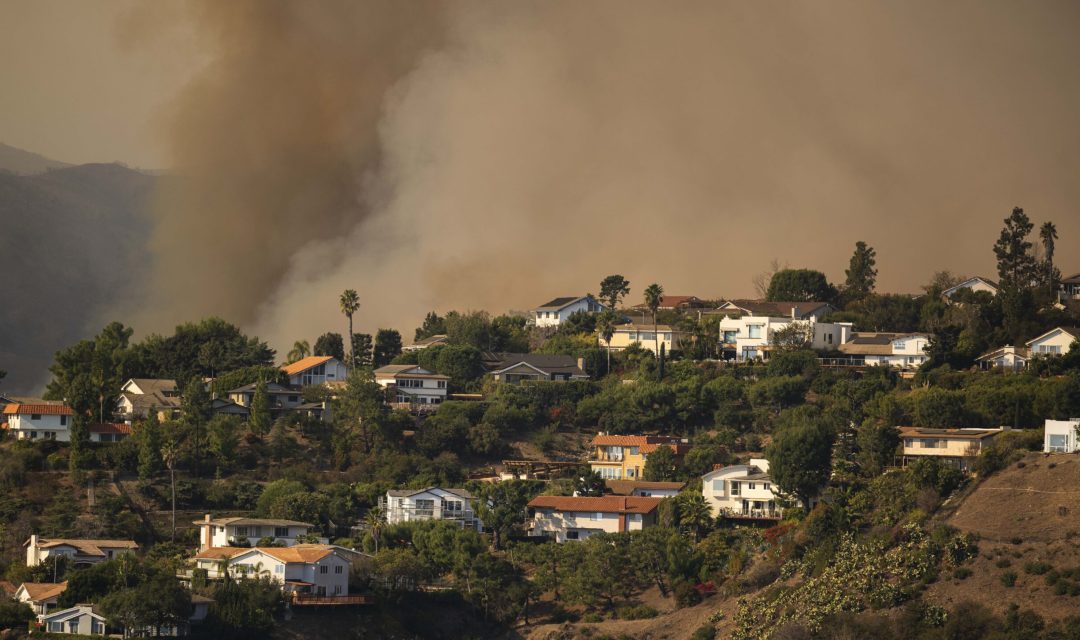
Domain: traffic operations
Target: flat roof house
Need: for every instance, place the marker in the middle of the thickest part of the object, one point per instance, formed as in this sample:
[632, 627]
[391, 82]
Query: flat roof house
[646, 335]
[1061, 436]
[576, 518]
[958, 447]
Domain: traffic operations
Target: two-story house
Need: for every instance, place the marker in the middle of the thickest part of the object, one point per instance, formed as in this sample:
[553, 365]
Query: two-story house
[623, 457]
[1061, 436]
[514, 368]
[138, 396]
[79, 552]
[646, 335]
[576, 518]
[224, 532]
[958, 447]
[749, 329]
[303, 570]
[899, 350]
[281, 398]
[412, 384]
[1055, 342]
[742, 491]
[42, 421]
[432, 503]
[555, 312]
[315, 370]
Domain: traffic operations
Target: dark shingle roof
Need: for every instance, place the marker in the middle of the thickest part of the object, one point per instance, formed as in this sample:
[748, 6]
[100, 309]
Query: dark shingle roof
[547, 363]
[559, 303]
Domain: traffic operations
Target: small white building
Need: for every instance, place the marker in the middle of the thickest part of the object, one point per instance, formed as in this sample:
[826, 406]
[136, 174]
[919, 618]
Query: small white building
[413, 384]
[109, 431]
[899, 350]
[432, 503]
[646, 335]
[80, 619]
[555, 312]
[223, 532]
[742, 491]
[1055, 342]
[1007, 358]
[44, 421]
[41, 596]
[747, 331]
[424, 343]
[576, 518]
[320, 570]
[139, 396]
[974, 284]
[644, 489]
[79, 552]
[315, 370]
[1062, 436]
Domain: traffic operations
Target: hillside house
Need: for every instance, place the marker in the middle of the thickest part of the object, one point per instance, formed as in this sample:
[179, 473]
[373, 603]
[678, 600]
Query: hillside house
[109, 431]
[1007, 358]
[624, 457]
[672, 303]
[41, 596]
[224, 532]
[44, 421]
[555, 312]
[320, 570]
[281, 398]
[749, 328]
[81, 619]
[576, 518]
[958, 447]
[139, 396]
[514, 368]
[1055, 342]
[412, 384]
[315, 370]
[229, 408]
[1061, 436]
[805, 311]
[742, 491]
[645, 335]
[1069, 288]
[643, 489]
[974, 284]
[432, 503]
[898, 350]
[430, 341]
[79, 552]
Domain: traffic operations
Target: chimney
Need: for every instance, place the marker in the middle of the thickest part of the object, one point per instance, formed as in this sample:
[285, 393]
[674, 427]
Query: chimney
[581, 363]
[794, 311]
[717, 467]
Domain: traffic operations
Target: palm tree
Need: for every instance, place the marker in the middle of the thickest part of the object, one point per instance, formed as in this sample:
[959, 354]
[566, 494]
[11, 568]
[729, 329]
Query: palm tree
[350, 302]
[1048, 234]
[607, 331]
[170, 451]
[695, 513]
[653, 294]
[374, 521]
[300, 350]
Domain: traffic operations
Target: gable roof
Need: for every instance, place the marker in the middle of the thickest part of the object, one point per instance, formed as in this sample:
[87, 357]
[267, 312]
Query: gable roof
[430, 340]
[875, 343]
[775, 309]
[271, 387]
[42, 409]
[542, 362]
[257, 522]
[152, 385]
[646, 444]
[961, 434]
[967, 283]
[78, 610]
[1074, 332]
[1019, 352]
[405, 493]
[303, 364]
[85, 547]
[1073, 279]
[606, 504]
[561, 303]
[301, 553]
[38, 591]
[110, 427]
[408, 370]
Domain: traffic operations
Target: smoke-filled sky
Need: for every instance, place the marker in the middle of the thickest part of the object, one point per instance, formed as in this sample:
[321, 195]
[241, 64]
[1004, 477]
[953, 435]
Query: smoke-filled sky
[495, 155]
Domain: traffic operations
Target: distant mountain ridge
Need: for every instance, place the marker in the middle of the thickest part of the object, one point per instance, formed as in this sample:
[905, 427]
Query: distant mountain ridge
[26, 163]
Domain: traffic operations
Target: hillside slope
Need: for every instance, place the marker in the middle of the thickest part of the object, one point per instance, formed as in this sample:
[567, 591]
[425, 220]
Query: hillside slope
[21, 162]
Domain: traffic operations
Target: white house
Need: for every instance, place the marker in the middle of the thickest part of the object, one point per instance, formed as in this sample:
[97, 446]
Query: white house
[1008, 358]
[315, 370]
[1070, 288]
[555, 312]
[514, 368]
[41, 596]
[79, 552]
[413, 384]
[900, 350]
[649, 337]
[742, 491]
[1054, 342]
[975, 284]
[139, 395]
[319, 570]
[1062, 436]
[223, 532]
[432, 503]
[745, 334]
[80, 619]
[44, 421]
[109, 431]
[576, 518]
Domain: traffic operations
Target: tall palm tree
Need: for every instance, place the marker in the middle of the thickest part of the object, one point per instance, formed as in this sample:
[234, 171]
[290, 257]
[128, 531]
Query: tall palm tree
[170, 452]
[374, 521]
[350, 302]
[654, 293]
[1048, 234]
[607, 331]
[300, 350]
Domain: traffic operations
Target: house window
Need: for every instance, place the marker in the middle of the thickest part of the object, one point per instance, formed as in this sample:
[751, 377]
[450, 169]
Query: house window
[73, 626]
[754, 330]
[667, 336]
[753, 486]
[63, 421]
[337, 588]
[765, 486]
[294, 398]
[828, 338]
[33, 434]
[35, 416]
[442, 384]
[338, 569]
[899, 345]
[597, 516]
[734, 488]
[324, 569]
[571, 535]
[56, 627]
[281, 532]
[241, 532]
[634, 451]
[718, 486]
[631, 336]
[425, 508]
[279, 569]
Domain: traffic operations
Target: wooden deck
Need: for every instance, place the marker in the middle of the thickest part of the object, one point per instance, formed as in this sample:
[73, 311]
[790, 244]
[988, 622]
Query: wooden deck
[304, 600]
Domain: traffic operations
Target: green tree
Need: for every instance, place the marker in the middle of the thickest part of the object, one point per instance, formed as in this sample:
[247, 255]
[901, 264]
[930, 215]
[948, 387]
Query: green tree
[612, 289]
[800, 285]
[1016, 264]
[198, 350]
[330, 344]
[861, 273]
[800, 459]
[149, 435]
[350, 303]
[472, 328]
[502, 507]
[15, 615]
[387, 347]
[661, 465]
[433, 326]
[300, 350]
[196, 409]
[275, 492]
[694, 513]
[224, 432]
[259, 417]
[1048, 235]
[158, 604]
[877, 441]
[654, 294]
[374, 521]
[362, 350]
[244, 609]
[589, 483]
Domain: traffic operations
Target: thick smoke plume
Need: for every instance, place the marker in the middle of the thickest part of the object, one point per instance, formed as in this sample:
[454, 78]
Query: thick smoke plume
[495, 155]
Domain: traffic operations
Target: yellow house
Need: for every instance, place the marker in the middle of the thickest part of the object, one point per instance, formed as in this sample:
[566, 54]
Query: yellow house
[623, 457]
[955, 446]
[649, 337]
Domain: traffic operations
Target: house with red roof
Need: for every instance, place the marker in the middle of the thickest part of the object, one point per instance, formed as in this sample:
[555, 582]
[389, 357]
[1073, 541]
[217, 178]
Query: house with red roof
[576, 518]
[38, 421]
[624, 457]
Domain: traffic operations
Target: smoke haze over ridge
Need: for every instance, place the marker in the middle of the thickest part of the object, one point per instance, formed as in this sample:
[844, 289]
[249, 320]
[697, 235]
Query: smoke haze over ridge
[496, 155]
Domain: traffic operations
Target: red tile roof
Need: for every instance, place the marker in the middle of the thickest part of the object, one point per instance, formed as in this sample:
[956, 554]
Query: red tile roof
[606, 504]
[648, 444]
[43, 409]
[303, 364]
[111, 427]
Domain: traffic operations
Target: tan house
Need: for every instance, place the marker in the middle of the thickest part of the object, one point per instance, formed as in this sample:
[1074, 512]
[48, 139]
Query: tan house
[959, 447]
[41, 596]
[646, 335]
[623, 457]
[79, 552]
[308, 573]
[576, 518]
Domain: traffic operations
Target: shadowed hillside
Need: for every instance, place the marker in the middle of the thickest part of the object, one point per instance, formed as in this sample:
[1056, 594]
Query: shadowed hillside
[18, 161]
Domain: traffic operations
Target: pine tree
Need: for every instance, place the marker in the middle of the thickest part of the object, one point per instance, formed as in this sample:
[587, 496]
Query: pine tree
[149, 435]
[259, 420]
[861, 272]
